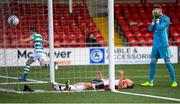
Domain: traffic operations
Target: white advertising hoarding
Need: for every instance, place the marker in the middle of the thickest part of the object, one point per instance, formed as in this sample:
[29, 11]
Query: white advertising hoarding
[84, 56]
[138, 55]
[66, 56]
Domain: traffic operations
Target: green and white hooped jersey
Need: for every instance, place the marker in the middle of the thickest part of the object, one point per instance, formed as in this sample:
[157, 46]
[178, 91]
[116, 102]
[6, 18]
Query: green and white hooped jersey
[38, 43]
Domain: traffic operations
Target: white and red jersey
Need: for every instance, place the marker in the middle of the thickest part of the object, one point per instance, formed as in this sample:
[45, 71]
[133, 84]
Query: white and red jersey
[106, 83]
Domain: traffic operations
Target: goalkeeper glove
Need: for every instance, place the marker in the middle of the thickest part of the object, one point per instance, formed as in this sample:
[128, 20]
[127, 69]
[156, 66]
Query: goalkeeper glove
[154, 20]
[156, 15]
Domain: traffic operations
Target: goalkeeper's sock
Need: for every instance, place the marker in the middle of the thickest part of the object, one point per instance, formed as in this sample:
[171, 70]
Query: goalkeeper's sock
[171, 71]
[152, 71]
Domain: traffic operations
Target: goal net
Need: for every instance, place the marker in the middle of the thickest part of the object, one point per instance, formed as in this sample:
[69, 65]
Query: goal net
[75, 23]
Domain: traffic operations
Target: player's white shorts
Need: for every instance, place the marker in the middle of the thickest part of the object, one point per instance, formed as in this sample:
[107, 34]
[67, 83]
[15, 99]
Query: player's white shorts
[77, 87]
[39, 56]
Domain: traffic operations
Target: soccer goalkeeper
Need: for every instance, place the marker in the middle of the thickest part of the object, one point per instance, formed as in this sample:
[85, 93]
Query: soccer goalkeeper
[160, 49]
[38, 54]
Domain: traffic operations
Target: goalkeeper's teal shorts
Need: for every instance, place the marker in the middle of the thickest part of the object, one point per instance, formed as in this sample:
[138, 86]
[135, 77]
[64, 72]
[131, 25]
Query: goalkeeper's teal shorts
[161, 52]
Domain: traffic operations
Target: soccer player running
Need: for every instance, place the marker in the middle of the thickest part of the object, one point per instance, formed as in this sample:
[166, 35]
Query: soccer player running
[100, 83]
[160, 49]
[38, 54]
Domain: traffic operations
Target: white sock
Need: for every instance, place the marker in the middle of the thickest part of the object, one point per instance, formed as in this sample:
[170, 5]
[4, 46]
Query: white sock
[62, 88]
[94, 86]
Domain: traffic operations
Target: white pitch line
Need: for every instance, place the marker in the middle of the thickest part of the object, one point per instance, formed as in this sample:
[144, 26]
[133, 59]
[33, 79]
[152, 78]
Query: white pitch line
[8, 90]
[31, 81]
[164, 76]
[147, 76]
[11, 83]
[150, 96]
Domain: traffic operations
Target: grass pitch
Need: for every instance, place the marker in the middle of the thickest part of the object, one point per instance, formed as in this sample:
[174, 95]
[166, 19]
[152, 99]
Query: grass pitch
[138, 73]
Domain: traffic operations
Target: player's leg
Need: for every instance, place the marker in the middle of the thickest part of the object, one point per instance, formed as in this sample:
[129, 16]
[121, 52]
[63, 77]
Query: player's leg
[56, 65]
[44, 61]
[26, 69]
[171, 71]
[152, 71]
[47, 65]
[77, 87]
[81, 86]
[42, 58]
[67, 85]
[57, 87]
[166, 54]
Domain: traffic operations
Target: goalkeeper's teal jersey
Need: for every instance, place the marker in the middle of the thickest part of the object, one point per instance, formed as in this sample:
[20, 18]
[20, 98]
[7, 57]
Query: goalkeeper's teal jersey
[38, 43]
[160, 32]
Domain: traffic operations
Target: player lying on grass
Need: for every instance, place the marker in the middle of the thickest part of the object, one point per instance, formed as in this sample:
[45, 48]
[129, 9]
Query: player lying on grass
[160, 49]
[38, 54]
[97, 84]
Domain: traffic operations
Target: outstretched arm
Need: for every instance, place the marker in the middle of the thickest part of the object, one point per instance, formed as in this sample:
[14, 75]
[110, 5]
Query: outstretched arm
[121, 74]
[99, 75]
[121, 84]
[27, 39]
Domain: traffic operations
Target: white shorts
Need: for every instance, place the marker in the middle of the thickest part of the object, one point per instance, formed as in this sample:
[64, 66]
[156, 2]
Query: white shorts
[39, 57]
[77, 88]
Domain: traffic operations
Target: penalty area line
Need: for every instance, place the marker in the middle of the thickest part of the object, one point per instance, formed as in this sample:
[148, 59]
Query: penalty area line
[146, 95]
[31, 81]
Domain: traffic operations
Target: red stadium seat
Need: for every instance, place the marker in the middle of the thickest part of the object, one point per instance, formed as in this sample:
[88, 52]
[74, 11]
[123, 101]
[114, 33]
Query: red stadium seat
[138, 35]
[80, 36]
[177, 40]
[71, 36]
[100, 41]
[72, 23]
[97, 34]
[79, 23]
[175, 35]
[82, 24]
[142, 41]
[122, 22]
[127, 14]
[82, 43]
[64, 43]
[73, 43]
[129, 35]
[149, 40]
[75, 29]
[146, 35]
[132, 41]
[66, 29]
[63, 36]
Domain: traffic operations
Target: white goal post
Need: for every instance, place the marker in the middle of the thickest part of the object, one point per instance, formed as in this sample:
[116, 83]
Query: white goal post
[51, 40]
[53, 18]
[111, 43]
